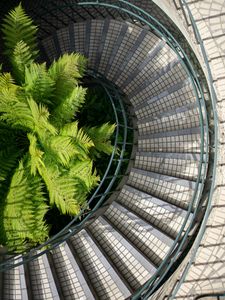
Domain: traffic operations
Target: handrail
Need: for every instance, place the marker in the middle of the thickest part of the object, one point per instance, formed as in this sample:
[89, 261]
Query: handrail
[211, 295]
[215, 117]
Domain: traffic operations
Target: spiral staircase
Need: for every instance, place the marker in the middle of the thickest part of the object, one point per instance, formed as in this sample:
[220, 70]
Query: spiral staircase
[140, 242]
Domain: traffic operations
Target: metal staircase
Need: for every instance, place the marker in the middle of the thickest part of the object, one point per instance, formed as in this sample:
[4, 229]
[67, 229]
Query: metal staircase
[139, 235]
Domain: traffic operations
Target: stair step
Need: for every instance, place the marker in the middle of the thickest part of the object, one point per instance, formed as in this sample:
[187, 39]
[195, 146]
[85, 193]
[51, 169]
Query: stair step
[105, 281]
[178, 95]
[115, 32]
[128, 60]
[180, 165]
[162, 215]
[48, 45]
[139, 57]
[97, 34]
[177, 119]
[128, 261]
[79, 31]
[171, 189]
[62, 41]
[125, 48]
[153, 243]
[14, 284]
[69, 275]
[156, 59]
[41, 280]
[166, 78]
[180, 141]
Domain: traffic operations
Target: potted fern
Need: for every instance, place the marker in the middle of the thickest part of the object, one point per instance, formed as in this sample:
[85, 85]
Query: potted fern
[46, 157]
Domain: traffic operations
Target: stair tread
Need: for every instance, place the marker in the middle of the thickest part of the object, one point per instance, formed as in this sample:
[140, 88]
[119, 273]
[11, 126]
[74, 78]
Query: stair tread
[148, 240]
[176, 122]
[100, 273]
[158, 60]
[166, 78]
[174, 190]
[69, 275]
[14, 284]
[129, 262]
[162, 215]
[41, 279]
[182, 166]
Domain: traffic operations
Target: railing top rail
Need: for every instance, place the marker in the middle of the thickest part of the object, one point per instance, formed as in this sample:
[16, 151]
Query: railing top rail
[189, 15]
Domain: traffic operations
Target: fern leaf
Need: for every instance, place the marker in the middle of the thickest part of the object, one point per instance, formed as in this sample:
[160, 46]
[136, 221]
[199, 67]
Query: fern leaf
[9, 160]
[22, 212]
[17, 115]
[101, 138]
[80, 139]
[66, 110]
[83, 170]
[38, 82]
[20, 58]
[65, 72]
[63, 149]
[17, 26]
[40, 115]
[61, 190]
[36, 154]
[8, 83]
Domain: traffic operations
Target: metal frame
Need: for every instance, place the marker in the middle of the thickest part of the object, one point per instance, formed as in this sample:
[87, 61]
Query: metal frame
[188, 14]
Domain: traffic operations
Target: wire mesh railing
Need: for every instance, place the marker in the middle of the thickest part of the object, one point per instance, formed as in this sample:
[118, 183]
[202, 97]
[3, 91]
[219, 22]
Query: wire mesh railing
[214, 147]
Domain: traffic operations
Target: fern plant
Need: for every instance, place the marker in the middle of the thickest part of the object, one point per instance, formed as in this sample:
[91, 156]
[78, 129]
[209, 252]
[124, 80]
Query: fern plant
[46, 157]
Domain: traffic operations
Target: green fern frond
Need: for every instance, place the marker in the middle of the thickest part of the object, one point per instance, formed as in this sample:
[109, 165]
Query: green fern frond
[36, 154]
[38, 83]
[65, 72]
[17, 26]
[9, 160]
[67, 109]
[17, 115]
[20, 58]
[7, 82]
[14, 110]
[80, 139]
[63, 149]
[61, 190]
[22, 211]
[83, 170]
[101, 138]
[40, 115]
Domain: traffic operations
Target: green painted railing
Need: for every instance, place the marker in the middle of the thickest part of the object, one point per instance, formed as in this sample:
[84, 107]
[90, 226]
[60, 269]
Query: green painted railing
[211, 296]
[188, 16]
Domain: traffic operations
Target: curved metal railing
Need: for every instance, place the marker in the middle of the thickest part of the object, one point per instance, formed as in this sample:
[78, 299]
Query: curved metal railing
[212, 296]
[188, 15]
